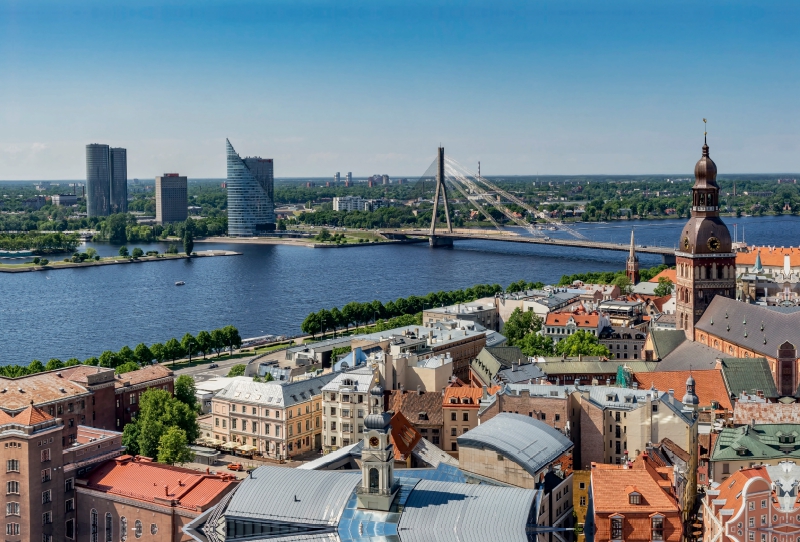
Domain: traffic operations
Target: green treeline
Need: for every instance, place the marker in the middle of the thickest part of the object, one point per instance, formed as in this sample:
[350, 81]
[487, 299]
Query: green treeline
[123, 228]
[355, 313]
[41, 243]
[609, 277]
[128, 359]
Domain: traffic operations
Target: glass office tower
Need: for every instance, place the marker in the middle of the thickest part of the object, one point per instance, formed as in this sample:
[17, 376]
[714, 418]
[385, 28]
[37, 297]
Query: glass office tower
[251, 208]
[106, 180]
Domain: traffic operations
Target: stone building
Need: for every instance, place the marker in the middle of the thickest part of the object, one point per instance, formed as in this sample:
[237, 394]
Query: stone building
[460, 404]
[422, 409]
[129, 387]
[737, 448]
[483, 313]
[345, 403]
[552, 405]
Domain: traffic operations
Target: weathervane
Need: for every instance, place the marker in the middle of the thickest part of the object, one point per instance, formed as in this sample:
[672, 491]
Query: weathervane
[705, 131]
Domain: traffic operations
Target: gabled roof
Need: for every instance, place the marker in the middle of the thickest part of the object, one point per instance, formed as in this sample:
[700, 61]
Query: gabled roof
[29, 416]
[454, 397]
[404, 436]
[689, 355]
[145, 374]
[579, 320]
[665, 341]
[761, 442]
[243, 390]
[709, 384]
[530, 443]
[770, 256]
[423, 408]
[670, 274]
[748, 375]
[608, 498]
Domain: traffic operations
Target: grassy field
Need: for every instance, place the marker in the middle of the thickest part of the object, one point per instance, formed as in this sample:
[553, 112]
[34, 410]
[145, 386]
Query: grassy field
[109, 260]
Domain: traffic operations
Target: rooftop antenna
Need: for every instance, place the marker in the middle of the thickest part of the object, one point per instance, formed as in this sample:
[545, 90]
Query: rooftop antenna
[705, 131]
[479, 168]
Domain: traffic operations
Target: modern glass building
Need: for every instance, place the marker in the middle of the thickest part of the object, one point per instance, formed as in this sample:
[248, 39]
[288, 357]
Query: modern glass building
[106, 180]
[251, 207]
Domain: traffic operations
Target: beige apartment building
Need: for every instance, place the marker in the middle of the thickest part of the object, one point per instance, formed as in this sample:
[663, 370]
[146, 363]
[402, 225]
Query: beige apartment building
[270, 419]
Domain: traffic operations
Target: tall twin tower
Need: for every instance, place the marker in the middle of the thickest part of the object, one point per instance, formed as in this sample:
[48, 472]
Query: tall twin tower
[106, 180]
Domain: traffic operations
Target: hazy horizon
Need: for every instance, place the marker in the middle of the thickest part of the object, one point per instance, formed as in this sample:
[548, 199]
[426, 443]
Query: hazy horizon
[570, 87]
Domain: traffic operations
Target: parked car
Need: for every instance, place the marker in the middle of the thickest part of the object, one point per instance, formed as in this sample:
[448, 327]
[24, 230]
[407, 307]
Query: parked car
[235, 466]
[213, 366]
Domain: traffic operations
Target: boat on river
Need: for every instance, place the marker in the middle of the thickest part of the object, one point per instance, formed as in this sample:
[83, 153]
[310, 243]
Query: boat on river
[180, 283]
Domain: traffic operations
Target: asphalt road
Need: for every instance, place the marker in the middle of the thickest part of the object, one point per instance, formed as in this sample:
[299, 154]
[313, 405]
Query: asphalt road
[201, 373]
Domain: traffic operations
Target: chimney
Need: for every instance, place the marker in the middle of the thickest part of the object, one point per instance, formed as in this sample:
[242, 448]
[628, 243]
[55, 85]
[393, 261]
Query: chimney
[608, 381]
[166, 491]
[635, 385]
[485, 394]
[513, 367]
[419, 389]
[671, 394]
[752, 423]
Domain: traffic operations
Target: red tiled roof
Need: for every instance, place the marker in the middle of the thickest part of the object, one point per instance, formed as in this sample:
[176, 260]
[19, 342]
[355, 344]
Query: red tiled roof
[17, 393]
[145, 374]
[459, 393]
[154, 482]
[771, 257]
[732, 486]
[709, 385]
[671, 274]
[404, 436]
[581, 320]
[30, 416]
[608, 479]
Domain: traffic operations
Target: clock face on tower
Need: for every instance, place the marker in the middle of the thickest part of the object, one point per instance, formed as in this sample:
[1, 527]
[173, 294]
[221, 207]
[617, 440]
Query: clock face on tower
[685, 243]
[713, 244]
[374, 442]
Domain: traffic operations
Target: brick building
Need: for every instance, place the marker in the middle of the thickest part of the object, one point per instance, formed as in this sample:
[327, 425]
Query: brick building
[133, 498]
[422, 409]
[129, 387]
[460, 405]
[553, 405]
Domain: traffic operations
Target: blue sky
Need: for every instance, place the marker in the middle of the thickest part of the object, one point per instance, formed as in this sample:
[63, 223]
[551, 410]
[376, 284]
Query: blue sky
[562, 87]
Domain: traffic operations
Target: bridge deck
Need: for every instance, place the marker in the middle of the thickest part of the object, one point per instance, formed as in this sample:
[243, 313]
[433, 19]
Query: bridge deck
[512, 238]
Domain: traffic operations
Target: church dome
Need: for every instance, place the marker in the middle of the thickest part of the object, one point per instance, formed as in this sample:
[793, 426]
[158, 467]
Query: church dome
[706, 235]
[705, 171]
[377, 421]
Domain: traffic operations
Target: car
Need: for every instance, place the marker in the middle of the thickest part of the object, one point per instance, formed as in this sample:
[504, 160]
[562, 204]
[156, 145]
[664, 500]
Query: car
[235, 466]
[213, 366]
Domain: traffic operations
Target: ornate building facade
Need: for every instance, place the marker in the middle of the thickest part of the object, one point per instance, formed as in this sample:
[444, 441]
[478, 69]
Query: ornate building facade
[706, 264]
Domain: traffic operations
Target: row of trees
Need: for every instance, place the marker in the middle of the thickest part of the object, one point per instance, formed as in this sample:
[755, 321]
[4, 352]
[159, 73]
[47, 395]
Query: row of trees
[355, 313]
[609, 277]
[128, 359]
[40, 243]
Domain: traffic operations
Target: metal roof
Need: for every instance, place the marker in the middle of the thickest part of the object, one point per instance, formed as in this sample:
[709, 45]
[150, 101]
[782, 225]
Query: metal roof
[748, 375]
[530, 443]
[243, 390]
[309, 497]
[520, 373]
[666, 340]
[689, 355]
[360, 380]
[445, 511]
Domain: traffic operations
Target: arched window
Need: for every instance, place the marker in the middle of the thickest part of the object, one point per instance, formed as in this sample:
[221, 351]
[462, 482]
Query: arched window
[373, 478]
[153, 528]
[137, 529]
[93, 525]
[109, 527]
[123, 529]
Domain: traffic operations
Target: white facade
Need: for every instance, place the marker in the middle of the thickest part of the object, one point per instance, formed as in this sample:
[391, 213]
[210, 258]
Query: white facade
[345, 403]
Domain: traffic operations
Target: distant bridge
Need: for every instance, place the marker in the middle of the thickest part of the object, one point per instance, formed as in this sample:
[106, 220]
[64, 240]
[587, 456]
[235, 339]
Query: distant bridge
[441, 238]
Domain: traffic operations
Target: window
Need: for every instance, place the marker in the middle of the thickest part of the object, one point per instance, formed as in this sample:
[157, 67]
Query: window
[93, 525]
[46, 475]
[751, 536]
[453, 431]
[12, 528]
[751, 506]
[655, 408]
[453, 446]
[69, 530]
[46, 496]
[558, 417]
[109, 527]
[224, 423]
[616, 528]
[465, 416]
[233, 423]
[763, 520]
[244, 425]
[216, 422]
[137, 529]
[233, 408]
[46, 455]
[69, 505]
[12, 465]
[12, 488]
[452, 416]
[266, 429]
[634, 498]
[657, 524]
[153, 528]
[47, 518]
[68, 484]
[12, 508]
[763, 504]
[123, 529]
[254, 411]
[752, 521]
[581, 485]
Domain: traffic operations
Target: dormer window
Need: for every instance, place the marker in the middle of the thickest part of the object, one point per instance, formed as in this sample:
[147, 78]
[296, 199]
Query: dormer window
[741, 450]
[635, 498]
[786, 439]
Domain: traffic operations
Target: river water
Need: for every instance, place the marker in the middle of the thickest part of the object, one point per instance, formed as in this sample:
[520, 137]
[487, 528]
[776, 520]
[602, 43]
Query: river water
[271, 288]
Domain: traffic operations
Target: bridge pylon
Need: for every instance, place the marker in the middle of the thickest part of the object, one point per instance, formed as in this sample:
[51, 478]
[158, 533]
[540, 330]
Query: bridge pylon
[440, 187]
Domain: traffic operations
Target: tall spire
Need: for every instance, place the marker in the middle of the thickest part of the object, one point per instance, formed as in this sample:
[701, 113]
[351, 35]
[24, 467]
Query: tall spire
[632, 254]
[632, 263]
[758, 268]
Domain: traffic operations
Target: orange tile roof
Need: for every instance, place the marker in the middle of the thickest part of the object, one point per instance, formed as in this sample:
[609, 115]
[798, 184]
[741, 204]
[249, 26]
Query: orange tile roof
[474, 394]
[581, 320]
[29, 416]
[145, 374]
[709, 385]
[732, 486]
[671, 274]
[153, 482]
[404, 436]
[607, 479]
[17, 393]
[770, 256]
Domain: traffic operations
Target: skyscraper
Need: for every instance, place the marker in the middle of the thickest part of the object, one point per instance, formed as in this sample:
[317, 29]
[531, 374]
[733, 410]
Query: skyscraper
[106, 180]
[251, 208]
[172, 202]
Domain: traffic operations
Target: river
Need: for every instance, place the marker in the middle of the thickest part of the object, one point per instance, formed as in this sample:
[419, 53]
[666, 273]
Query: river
[271, 288]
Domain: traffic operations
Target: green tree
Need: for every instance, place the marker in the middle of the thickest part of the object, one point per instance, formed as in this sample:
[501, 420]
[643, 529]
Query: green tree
[173, 349]
[126, 354]
[137, 252]
[72, 362]
[520, 324]
[534, 344]
[349, 313]
[123, 251]
[92, 361]
[158, 411]
[35, 366]
[173, 447]
[665, 287]
[143, 354]
[130, 438]
[109, 359]
[159, 352]
[624, 283]
[218, 340]
[127, 367]
[188, 242]
[185, 391]
[232, 338]
[91, 253]
[311, 324]
[203, 340]
[189, 345]
[581, 343]
[237, 370]
[54, 364]
[324, 235]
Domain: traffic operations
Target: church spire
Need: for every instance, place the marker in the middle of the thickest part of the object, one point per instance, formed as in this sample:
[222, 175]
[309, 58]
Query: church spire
[632, 263]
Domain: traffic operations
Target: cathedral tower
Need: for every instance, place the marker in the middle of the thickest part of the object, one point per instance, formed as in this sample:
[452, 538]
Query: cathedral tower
[632, 264]
[706, 264]
[378, 488]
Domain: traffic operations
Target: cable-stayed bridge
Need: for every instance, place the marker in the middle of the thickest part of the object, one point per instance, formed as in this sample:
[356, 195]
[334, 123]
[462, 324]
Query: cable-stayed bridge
[479, 192]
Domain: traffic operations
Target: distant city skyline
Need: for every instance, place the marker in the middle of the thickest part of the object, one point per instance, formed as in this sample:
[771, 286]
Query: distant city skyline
[554, 88]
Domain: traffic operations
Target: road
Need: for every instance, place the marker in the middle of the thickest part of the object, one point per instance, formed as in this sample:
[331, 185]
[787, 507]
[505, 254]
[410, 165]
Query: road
[201, 373]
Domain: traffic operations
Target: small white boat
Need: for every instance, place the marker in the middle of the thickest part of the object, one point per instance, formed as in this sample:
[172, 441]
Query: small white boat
[180, 283]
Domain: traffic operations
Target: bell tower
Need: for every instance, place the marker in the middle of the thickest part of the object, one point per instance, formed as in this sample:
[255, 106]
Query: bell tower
[632, 263]
[377, 489]
[705, 261]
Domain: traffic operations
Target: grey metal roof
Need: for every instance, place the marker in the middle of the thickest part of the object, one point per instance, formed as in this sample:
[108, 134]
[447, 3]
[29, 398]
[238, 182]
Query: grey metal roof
[619, 398]
[308, 497]
[556, 366]
[742, 323]
[243, 390]
[361, 379]
[748, 375]
[666, 340]
[444, 511]
[530, 443]
[521, 373]
[689, 355]
[537, 390]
